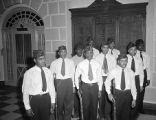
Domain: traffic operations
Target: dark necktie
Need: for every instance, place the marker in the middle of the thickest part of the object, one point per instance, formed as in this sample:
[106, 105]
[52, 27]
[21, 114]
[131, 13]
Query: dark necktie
[112, 51]
[90, 73]
[44, 83]
[141, 55]
[133, 64]
[141, 58]
[122, 80]
[63, 68]
[105, 65]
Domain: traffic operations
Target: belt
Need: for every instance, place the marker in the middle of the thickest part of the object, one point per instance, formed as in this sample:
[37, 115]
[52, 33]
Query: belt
[89, 84]
[40, 94]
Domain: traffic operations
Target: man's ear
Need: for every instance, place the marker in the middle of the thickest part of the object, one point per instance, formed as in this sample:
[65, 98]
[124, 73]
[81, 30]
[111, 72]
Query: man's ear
[34, 60]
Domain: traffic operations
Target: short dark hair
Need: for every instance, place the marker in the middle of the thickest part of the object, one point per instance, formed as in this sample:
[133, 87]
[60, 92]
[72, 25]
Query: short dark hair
[104, 43]
[62, 47]
[110, 40]
[121, 56]
[89, 39]
[38, 53]
[130, 45]
[79, 46]
[88, 48]
[139, 42]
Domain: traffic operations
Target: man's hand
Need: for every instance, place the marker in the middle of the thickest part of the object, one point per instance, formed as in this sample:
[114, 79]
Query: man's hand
[99, 94]
[111, 98]
[29, 112]
[133, 103]
[52, 108]
[148, 83]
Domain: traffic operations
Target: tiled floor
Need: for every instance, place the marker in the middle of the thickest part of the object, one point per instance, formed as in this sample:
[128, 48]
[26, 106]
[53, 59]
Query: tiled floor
[11, 107]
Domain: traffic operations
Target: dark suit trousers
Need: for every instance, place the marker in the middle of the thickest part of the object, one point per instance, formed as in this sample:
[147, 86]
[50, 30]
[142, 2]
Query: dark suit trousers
[40, 105]
[140, 106]
[134, 111]
[123, 104]
[90, 101]
[64, 98]
[104, 103]
[76, 105]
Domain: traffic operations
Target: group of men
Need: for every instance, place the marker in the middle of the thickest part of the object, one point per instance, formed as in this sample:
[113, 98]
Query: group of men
[102, 78]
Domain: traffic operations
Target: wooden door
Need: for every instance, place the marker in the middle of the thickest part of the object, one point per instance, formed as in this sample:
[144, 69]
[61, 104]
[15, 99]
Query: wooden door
[82, 28]
[23, 53]
[131, 28]
[105, 28]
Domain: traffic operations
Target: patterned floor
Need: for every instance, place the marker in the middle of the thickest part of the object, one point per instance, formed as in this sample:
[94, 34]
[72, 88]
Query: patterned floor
[11, 107]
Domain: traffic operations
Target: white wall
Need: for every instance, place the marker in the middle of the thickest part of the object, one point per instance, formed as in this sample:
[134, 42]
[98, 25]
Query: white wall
[150, 95]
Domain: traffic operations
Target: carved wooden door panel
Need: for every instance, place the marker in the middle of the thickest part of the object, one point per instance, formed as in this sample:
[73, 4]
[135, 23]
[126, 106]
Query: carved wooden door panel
[105, 28]
[82, 28]
[131, 28]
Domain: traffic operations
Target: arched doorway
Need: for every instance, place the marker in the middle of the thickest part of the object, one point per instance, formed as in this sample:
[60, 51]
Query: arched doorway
[23, 32]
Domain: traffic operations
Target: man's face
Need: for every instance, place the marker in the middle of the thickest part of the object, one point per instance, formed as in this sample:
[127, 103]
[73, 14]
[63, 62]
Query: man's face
[132, 51]
[79, 52]
[105, 49]
[63, 53]
[91, 43]
[40, 61]
[141, 47]
[112, 45]
[89, 54]
[123, 62]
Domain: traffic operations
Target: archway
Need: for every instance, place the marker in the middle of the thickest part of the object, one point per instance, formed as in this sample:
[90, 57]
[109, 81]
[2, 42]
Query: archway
[22, 32]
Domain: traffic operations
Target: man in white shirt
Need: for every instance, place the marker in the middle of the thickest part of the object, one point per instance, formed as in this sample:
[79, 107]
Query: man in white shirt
[77, 58]
[112, 50]
[123, 88]
[89, 71]
[135, 64]
[146, 66]
[38, 89]
[91, 43]
[107, 62]
[63, 68]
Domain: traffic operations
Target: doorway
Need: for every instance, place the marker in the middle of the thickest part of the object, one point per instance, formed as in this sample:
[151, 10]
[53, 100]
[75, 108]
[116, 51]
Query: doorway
[23, 32]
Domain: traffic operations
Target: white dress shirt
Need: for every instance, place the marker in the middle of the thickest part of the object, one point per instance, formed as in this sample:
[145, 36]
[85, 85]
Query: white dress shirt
[111, 62]
[82, 69]
[56, 66]
[115, 52]
[146, 62]
[77, 59]
[138, 67]
[32, 84]
[95, 52]
[129, 80]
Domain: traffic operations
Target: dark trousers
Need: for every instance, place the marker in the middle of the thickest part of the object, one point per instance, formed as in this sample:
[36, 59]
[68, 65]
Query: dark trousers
[134, 111]
[40, 105]
[76, 105]
[123, 104]
[104, 103]
[140, 106]
[89, 101]
[64, 99]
